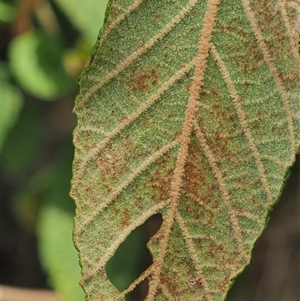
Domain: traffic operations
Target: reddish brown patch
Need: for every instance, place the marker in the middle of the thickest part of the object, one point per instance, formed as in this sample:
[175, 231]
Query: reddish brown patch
[138, 201]
[194, 177]
[125, 219]
[160, 181]
[140, 81]
[170, 282]
[127, 142]
[112, 164]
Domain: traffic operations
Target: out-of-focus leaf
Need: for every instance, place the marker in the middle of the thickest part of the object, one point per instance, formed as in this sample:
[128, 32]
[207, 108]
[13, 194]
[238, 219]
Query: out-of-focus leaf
[55, 227]
[7, 12]
[75, 58]
[11, 102]
[37, 63]
[87, 16]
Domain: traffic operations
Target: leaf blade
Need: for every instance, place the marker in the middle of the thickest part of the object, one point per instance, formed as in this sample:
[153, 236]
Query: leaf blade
[183, 132]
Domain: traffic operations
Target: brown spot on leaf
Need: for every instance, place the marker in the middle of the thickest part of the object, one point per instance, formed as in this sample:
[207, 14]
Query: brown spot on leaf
[125, 219]
[161, 178]
[141, 80]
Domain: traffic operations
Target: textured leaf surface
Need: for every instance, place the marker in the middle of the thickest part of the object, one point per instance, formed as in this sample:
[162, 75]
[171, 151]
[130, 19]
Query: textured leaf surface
[190, 109]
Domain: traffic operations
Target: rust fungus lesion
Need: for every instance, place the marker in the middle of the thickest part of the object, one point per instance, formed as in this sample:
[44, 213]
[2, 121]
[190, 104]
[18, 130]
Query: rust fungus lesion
[141, 80]
[125, 218]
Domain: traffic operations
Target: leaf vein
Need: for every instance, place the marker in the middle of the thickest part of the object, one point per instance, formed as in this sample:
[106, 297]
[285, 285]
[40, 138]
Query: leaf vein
[128, 181]
[191, 109]
[274, 72]
[116, 243]
[167, 293]
[142, 277]
[143, 108]
[224, 192]
[192, 251]
[135, 55]
[243, 120]
[119, 20]
[289, 30]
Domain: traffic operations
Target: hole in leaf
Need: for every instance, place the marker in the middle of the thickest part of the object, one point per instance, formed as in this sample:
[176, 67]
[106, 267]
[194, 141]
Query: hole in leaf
[132, 258]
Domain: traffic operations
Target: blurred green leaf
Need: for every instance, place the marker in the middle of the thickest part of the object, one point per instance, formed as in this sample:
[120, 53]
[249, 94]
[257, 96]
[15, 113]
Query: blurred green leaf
[87, 16]
[76, 57]
[7, 12]
[37, 62]
[54, 229]
[11, 103]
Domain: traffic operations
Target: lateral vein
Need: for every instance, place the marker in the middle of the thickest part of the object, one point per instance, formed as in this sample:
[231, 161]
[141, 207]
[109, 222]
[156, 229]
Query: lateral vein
[224, 192]
[135, 55]
[274, 72]
[143, 108]
[243, 121]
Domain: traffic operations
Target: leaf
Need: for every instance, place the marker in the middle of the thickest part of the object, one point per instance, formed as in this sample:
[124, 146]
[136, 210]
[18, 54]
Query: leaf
[11, 103]
[8, 12]
[87, 16]
[189, 109]
[54, 228]
[36, 61]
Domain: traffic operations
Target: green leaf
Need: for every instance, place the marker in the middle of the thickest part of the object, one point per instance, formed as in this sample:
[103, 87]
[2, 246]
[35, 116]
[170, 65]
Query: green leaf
[7, 12]
[36, 61]
[189, 109]
[11, 103]
[87, 16]
[54, 229]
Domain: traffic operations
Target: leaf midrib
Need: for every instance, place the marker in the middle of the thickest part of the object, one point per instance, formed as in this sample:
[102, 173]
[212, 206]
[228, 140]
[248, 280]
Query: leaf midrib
[192, 107]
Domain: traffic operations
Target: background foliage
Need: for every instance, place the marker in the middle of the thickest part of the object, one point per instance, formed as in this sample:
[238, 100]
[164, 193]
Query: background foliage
[45, 45]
